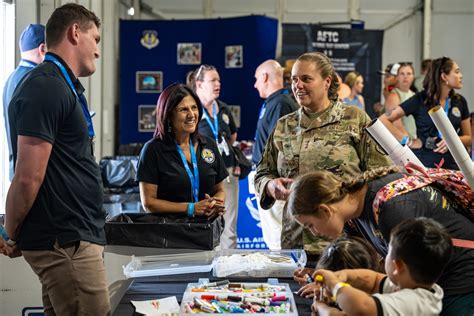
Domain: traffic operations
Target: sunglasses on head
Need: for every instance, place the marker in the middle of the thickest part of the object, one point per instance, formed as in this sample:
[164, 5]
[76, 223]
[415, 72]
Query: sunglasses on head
[205, 67]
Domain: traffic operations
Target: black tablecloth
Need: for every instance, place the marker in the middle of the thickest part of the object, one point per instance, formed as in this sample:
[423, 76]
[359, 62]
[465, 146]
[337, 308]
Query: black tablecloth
[150, 288]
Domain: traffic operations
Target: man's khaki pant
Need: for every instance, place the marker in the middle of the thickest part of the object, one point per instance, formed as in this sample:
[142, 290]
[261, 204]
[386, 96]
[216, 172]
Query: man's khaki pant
[72, 278]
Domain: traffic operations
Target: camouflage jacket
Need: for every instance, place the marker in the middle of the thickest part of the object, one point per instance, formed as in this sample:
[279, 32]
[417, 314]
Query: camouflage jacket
[334, 141]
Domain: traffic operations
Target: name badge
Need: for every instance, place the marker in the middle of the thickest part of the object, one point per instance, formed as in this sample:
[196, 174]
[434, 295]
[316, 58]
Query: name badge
[223, 147]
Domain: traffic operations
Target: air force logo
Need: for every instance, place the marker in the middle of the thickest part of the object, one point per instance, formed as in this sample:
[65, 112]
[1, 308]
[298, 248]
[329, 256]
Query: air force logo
[225, 118]
[150, 39]
[208, 155]
[456, 112]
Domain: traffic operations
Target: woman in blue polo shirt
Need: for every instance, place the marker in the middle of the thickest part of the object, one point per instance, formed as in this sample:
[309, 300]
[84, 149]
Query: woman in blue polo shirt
[443, 77]
[180, 171]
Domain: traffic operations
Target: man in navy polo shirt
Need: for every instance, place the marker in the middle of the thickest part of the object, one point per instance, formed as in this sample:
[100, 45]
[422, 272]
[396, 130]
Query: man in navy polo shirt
[54, 215]
[32, 50]
[269, 83]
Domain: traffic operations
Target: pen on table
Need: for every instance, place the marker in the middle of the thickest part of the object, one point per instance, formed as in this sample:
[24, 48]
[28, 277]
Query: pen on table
[298, 263]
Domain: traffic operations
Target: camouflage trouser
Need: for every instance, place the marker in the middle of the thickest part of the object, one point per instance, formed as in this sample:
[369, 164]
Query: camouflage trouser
[294, 236]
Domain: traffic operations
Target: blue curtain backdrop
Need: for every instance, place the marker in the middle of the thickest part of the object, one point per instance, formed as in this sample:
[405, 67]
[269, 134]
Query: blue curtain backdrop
[256, 34]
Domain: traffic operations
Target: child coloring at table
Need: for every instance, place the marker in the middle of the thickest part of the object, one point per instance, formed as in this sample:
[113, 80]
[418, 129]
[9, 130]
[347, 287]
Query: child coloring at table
[342, 253]
[419, 250]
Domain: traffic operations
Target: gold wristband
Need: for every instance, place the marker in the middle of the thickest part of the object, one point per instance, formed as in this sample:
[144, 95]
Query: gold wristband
[337, 287]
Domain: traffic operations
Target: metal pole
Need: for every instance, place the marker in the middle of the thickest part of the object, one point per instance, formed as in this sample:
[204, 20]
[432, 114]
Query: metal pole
[427, 13]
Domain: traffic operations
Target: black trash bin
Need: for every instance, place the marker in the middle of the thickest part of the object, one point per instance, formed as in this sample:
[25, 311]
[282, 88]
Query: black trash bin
[164, 231]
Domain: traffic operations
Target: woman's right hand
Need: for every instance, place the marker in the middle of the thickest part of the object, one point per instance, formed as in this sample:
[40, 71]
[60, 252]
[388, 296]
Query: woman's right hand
[279, 188]
[209, 206]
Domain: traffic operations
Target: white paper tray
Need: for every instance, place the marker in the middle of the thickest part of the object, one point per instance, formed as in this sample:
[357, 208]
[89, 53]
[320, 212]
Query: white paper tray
[258, 264]
[169, 264]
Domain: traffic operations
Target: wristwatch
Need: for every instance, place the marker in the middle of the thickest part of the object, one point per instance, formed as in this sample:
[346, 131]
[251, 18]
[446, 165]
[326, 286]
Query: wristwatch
[11, 242]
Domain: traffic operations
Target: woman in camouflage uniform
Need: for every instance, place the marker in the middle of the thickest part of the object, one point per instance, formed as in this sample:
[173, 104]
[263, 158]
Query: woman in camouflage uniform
[323, 134]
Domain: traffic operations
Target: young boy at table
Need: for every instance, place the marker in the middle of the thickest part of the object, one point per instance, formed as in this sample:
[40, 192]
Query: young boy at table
[419, 250]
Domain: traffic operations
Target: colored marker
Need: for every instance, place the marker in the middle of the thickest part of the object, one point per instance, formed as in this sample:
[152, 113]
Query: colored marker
[216, 307]
[217, 283]
[256, 300]
[279, 298]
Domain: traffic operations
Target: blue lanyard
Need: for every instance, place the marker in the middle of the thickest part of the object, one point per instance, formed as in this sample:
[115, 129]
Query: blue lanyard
[193, 178]
[446, 109]
[260, 116]
[214, 127]
[262, 110]
[27, 63]
[81, 98]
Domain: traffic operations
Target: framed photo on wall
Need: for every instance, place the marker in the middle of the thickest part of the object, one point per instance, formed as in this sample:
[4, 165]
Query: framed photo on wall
[234, 56]
[146, 118]
[189, 53]
[149, 81]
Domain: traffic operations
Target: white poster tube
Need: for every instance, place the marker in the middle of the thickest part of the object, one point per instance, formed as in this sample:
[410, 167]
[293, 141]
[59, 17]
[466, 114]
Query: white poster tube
[398, 153]
[455, 146]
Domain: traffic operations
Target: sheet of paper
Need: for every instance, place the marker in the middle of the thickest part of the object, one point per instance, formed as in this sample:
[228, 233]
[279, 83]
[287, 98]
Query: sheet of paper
[165, 305]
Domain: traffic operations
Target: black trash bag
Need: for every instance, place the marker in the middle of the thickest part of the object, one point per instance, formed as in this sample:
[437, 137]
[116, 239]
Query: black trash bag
[164, 231]
[119, 172]
[132, 149]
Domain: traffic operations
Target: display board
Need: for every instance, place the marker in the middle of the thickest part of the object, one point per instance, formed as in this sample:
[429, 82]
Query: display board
[249, 229]
[155, 54]
[349, 49]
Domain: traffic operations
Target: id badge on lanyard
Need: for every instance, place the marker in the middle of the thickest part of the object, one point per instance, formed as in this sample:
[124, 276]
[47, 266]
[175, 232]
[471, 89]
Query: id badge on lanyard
[223, 147]
[214, 126]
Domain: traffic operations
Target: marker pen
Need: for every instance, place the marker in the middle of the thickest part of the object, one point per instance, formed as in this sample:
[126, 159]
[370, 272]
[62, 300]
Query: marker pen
[256, 300]
[217, 283]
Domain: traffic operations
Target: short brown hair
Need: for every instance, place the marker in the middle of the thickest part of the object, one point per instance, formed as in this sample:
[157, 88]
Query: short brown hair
[326, 69]
[63, 17]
